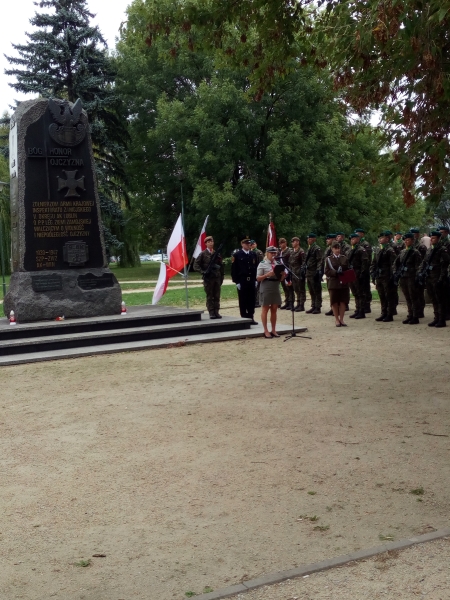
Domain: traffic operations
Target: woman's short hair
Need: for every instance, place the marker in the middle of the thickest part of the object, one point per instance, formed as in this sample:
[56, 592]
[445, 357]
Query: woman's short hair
[335, 245]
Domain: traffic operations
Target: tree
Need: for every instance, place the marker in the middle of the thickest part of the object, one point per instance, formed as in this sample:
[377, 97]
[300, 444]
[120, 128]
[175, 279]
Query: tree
[386, 55]
[5, 212]
[66, 57]
[291, 153]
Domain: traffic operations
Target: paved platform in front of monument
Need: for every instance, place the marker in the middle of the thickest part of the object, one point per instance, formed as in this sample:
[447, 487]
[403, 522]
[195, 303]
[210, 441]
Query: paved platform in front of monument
[143, 327]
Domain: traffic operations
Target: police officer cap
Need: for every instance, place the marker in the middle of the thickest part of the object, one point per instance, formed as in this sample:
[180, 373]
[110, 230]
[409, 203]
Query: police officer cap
[331, 236]
[359, 231]
[444, 228]
[340, 233]
[209, 238]
[311, 235]
[353, 235]
[414, 230]
[295, 239]
[245, 240]
[408, 236]
[271, 249]
[437, 233]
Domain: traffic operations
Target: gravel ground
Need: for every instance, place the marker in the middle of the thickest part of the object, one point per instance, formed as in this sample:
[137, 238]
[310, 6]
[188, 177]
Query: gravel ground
[198, 467]
[419, 572]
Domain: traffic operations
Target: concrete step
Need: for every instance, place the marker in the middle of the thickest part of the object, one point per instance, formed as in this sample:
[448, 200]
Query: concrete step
[65, 338]
[181, 339]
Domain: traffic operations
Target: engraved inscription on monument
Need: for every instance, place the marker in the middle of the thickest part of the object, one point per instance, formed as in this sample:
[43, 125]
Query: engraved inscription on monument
[46, 283]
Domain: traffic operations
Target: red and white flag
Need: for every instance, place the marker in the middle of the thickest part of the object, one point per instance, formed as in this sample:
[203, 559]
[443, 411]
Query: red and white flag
[176, 254]
[201, 240]
[271, 235]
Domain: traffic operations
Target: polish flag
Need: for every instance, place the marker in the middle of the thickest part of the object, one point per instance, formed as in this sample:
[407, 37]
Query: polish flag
[271, 235]
[201, 240]
[176, 253]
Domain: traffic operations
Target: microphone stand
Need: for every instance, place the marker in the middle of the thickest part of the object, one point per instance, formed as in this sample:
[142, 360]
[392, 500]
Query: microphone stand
[293, 334]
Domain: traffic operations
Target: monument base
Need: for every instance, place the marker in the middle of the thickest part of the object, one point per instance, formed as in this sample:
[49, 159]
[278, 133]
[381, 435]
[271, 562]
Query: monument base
[46, 295]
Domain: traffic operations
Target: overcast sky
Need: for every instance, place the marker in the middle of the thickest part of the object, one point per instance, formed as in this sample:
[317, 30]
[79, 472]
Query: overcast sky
[15, 21]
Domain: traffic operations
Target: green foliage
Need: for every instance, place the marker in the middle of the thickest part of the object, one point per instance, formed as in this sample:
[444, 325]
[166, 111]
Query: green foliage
[292, 153]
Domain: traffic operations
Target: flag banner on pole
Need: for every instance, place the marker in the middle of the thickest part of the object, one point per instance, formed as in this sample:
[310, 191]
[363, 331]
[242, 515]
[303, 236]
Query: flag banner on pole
[176, 248]
[201, 240]
[176, 254]
[271, 235]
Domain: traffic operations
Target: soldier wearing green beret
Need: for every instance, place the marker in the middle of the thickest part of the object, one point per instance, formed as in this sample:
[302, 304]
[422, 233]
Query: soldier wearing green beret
[345, 248]
[358, 260]
[367, 290]
[406, 267]
[314, 273]
[423, 250]
[329, 239]
[382, 275]
[212, 276]
[296, 260]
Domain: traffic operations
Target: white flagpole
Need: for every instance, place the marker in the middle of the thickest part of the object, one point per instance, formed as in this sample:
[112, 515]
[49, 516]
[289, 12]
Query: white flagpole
[184, 248]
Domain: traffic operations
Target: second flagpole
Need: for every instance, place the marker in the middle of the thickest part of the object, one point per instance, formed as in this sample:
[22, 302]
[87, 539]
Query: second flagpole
[184, 248]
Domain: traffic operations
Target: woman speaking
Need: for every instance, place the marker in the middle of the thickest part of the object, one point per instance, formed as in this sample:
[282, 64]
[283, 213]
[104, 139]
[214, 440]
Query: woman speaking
[336, 264]
[269, 291]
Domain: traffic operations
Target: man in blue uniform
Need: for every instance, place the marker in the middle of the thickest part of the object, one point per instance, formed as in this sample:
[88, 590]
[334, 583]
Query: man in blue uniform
[243, 273]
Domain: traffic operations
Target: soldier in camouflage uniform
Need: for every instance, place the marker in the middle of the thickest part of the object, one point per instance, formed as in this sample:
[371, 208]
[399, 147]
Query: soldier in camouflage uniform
[406, 266]
[382, 275]
[284, 253]
[397, 252]
[423, 250]
[296, 260]
[358, 260]
[445, 240]
[398, 242]
[329, 239]
[312, 269]
[435, 267]
[367, 290]
[212, 281]
[254, 248]
[345, 248]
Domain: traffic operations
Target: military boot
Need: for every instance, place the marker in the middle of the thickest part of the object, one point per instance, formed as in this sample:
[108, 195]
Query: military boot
[360, 315]
[381, 318]
[387, 319]
[212, 314]
[354, 315]
[217, 315]
[329, 313]
[316, 311]
[413, 321]
[367, 310]
[310, 311]
[300, 307]
[441, 321]
[433, 322]
[407, 320]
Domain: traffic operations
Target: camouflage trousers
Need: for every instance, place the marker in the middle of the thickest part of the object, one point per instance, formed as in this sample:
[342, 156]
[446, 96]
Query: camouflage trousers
[358, 288]
[386, 290]
[410, 290]
[365, 286]
[288, 292]
[315, 290]
[212, 289]
[438, 297]
[299, 289]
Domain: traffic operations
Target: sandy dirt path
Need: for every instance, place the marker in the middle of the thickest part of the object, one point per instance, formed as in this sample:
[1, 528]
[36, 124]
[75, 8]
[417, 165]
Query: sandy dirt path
[205, 465]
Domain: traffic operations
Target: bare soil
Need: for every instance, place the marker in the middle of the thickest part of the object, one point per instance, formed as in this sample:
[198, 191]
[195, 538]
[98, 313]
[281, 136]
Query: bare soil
[198, 467]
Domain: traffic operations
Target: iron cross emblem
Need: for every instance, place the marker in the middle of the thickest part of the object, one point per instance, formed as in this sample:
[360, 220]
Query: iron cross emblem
[71, 183]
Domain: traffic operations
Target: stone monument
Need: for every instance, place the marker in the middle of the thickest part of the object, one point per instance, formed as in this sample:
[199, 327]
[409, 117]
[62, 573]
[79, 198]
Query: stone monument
[58, 251]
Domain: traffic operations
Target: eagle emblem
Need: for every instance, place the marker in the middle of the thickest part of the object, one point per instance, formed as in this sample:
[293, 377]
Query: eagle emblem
[67, 131]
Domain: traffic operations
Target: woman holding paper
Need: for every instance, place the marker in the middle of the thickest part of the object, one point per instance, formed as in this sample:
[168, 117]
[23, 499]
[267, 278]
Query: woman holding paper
[335, 265]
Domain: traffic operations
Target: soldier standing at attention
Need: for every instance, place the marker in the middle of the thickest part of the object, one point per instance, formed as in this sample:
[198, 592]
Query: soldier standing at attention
[212, 277]
[345, 248]
[329, 239]
[423, 250]
[396, 252]
[405, 268]
[296, 260]
[284, 253]
[254, 248]
[434, 267]
[358, 260]
[445, 241]
[398, 242]
[313, 267]
[243, 273]
[382, 275]
[368, 292]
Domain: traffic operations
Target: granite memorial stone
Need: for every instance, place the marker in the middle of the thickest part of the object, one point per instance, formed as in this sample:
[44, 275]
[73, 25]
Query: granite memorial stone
[58, 251]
